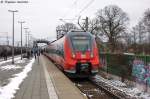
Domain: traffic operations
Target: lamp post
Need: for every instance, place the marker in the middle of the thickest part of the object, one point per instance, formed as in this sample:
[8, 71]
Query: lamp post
[7, 39]
[21, 22]
[28, 34]
[13, 12]
[26, 37]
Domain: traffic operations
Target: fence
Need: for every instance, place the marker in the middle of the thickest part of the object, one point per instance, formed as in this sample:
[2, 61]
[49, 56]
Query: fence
[127, 66]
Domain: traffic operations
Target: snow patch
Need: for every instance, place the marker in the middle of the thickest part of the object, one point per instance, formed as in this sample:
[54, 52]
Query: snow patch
[8, 91]
[84, 94]
[79, 85]
[9, 67]
[9, 60]
[20, 61]
[129, 53]
[132, 91]
[90, 96]
[118, 83]
[97, 90]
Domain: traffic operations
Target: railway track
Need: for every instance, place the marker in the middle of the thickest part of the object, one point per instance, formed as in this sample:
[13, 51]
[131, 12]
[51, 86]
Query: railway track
[110, 88]
[95, 89]
[92, 90]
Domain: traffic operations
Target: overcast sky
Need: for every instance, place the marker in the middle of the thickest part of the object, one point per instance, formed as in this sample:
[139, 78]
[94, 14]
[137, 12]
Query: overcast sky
[42, 16]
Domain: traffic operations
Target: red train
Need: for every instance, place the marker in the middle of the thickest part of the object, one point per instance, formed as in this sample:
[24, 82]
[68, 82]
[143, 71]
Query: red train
[76, 53]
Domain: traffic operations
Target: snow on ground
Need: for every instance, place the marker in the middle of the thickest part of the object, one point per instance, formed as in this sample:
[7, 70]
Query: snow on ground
[90, 96]
[8, 91]
[12, 66]
[132, 91]
[9, 60]
[129, 53]
[79, 85]
[84, 94]
[20, 61]
[9, 67]
[118, 83]
[96, 90]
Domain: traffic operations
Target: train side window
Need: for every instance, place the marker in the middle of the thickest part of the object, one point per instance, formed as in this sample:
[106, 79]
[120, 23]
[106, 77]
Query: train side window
[57, 52]
[62, 50]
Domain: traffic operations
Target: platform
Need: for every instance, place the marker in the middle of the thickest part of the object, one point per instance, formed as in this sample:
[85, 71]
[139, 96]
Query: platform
[46, 81]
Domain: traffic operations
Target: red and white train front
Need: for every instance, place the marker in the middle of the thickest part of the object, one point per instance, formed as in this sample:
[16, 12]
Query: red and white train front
[76, 53]
[81, 54]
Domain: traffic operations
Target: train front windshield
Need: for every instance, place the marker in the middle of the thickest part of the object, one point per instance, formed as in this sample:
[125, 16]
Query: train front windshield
[81, 43]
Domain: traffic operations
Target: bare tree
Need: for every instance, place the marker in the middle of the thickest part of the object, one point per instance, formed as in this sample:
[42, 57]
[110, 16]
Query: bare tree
[69, 26]
[93, 26]
[134, 35]
[112, 23]
[146, 20]
[64, 28]
[139, 32]
[128, 38]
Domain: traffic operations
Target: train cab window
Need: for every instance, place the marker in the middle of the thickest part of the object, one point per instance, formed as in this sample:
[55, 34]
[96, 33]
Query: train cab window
[81, 43]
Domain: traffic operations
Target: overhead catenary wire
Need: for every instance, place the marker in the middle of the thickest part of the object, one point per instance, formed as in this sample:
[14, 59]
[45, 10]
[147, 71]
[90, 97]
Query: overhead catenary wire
[82, 10]
[69, 10]
[85, 7]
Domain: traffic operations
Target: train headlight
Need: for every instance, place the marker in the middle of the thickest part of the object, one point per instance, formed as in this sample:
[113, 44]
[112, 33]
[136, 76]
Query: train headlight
[73, 55]
[92, 55]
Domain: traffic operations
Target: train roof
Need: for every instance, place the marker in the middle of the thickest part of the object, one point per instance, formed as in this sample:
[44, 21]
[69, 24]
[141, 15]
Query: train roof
[73, 33]
[78, 32]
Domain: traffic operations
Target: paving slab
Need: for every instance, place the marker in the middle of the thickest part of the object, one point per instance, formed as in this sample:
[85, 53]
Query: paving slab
[46, 81]
[64, 88]
[34, 86]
